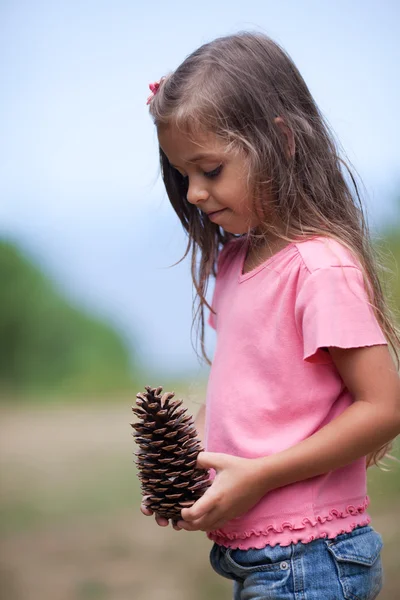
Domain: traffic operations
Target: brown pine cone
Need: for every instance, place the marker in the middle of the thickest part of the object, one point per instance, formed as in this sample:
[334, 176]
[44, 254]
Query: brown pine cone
[166, 461]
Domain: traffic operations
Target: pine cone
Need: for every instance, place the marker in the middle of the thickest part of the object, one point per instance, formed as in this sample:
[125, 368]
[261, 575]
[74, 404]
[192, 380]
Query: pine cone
[168, 453]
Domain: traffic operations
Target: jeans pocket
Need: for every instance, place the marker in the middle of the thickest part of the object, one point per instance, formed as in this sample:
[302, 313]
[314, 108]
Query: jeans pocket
[252, 560]
[271, 568]
[216, 560]
[357, 556]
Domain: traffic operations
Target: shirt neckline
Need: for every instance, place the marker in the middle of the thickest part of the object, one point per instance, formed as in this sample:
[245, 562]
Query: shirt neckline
[244, 276]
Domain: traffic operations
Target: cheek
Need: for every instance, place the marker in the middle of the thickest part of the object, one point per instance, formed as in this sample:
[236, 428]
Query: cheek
[243, 202]
[235, 194]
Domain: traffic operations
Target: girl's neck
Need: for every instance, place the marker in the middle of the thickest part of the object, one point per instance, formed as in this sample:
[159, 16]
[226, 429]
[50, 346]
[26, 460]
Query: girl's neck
[258, 251]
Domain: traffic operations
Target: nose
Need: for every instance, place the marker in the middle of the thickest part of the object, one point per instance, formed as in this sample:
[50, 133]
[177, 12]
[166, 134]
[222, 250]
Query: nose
[196, 192]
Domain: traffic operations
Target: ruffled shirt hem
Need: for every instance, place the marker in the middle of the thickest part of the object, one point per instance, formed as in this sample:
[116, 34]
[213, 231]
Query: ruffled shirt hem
[298, 529]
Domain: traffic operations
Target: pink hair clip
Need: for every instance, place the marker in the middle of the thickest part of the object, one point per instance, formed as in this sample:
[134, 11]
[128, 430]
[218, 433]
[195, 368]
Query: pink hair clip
[154, 87]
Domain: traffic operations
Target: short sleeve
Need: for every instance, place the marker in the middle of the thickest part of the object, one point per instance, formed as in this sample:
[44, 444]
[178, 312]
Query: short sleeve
[333, 309]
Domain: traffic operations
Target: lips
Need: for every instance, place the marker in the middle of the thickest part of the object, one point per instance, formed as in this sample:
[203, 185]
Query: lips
[214, 212]
[214, 216]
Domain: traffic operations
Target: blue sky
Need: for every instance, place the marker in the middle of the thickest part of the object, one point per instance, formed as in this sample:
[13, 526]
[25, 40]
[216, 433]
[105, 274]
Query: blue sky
[79, 185]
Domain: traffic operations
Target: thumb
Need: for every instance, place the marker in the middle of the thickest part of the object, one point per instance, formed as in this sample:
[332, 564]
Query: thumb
[204, 505]
[210, 460]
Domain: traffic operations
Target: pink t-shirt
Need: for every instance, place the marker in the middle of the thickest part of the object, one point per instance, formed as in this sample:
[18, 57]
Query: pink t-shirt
[272, 384]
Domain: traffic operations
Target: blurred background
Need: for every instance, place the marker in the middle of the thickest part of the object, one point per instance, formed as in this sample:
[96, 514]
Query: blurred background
[91, 309]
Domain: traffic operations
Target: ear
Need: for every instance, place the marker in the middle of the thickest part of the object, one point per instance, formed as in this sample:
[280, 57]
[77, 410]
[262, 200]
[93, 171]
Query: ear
[289, 137]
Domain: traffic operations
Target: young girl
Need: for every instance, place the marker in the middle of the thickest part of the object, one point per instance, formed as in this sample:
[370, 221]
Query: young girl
[302, 386]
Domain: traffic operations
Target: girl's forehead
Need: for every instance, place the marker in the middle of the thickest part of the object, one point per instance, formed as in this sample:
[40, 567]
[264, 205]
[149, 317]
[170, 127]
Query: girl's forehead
[186, 146]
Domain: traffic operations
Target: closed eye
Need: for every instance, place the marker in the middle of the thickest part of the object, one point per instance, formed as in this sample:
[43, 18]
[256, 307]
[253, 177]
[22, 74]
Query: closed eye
[209, 174]
[213, 173]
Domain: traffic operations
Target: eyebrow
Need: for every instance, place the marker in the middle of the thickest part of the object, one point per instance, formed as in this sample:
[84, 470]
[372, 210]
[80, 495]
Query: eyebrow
[198, 157]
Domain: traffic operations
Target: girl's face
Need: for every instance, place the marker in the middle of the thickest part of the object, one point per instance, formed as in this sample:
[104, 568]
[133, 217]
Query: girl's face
[216, 177]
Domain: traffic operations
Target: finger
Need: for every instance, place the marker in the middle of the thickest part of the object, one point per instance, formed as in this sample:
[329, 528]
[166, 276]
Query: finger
[207, 523]
[146, 511]
[162, 521]
[209, 460]
[187, 526]
[203, 524]
[204, 505]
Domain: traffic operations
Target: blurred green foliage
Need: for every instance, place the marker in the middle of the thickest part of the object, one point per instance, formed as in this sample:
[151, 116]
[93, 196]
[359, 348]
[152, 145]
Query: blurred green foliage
[391, 260]
[46, 343]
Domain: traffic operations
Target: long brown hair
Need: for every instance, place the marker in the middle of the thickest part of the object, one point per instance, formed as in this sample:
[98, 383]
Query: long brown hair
[236, 87]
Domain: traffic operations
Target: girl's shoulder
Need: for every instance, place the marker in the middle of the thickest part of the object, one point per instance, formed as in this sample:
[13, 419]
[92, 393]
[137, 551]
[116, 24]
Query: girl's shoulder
[324, 252]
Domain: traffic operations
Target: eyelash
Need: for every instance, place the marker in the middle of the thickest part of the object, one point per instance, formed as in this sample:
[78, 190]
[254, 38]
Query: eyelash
[213, 173]
[209, 174]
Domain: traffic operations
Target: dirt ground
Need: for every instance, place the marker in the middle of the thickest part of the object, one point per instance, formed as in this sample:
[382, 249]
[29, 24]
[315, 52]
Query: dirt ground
[71, 528]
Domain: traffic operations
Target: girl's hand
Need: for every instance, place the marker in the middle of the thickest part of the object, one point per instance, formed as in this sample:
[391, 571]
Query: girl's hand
[161, 521]
[237, 487]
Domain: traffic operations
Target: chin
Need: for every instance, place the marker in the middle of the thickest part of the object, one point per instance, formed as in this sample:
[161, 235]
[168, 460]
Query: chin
[237, 230]
[234, 226]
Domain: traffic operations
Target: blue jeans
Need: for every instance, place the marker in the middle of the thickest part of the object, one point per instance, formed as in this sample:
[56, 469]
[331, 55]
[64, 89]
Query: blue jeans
[346, 567]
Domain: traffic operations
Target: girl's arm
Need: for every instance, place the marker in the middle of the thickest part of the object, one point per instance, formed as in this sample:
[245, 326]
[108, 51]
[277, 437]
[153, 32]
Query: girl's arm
[371, 421]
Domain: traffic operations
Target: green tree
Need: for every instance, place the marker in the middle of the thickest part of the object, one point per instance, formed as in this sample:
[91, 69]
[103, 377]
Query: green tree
[46, 343]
